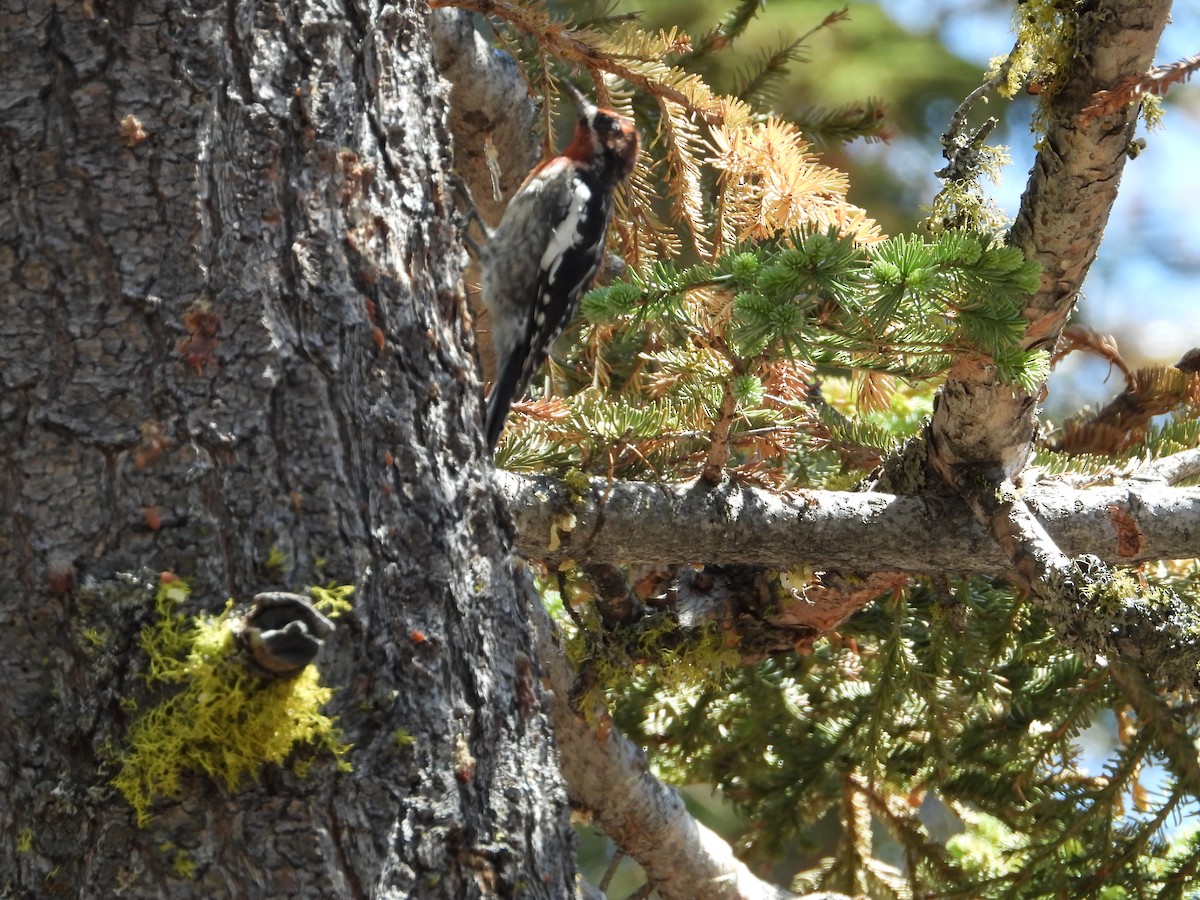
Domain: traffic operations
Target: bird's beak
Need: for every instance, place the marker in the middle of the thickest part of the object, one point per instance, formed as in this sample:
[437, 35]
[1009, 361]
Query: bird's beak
[585, 106]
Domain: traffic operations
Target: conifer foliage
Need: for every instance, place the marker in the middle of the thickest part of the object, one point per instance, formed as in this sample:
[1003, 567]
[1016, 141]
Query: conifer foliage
[767, 331]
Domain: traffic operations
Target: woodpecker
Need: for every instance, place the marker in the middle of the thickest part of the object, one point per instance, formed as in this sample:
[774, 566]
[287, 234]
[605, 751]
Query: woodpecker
[548, 246]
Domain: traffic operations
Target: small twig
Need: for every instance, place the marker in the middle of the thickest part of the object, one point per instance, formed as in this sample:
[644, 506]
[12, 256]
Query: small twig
[961, 152]
[613, 865]
[964, 108]
[718, 451]
[566, 602]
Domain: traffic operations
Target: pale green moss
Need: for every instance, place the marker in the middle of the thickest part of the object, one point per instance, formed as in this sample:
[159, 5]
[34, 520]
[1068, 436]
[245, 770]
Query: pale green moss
[223, 721]
[578, 484]
[698, 663]
[677, 660]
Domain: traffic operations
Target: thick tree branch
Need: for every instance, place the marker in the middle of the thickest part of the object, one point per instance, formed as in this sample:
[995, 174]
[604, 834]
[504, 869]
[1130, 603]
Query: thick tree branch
[1048, 538]
[607, 775]
[1061, 221]
[632, 522]
[981, 432]
[491, 116]
[1076, 176]
[1159, 634]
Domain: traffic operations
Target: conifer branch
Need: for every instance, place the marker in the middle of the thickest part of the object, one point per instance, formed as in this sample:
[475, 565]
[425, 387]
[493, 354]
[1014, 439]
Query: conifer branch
[774, 65]
[841, 124]
[1125, 420]
[1171, 469]
[1158, 718]
[728, 524]
[1106, 619]
[1061, 220]
[607, 776]
[730, 28]
[1157, 81]
[1079, 337]
[638, 522]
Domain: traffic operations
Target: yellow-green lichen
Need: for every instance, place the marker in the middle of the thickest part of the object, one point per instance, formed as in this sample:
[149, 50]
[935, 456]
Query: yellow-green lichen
[1152, 111]
[963, 205]
[1047, 36]
[276, 561]
[577, 483]
[698, 663]
[181, 860]
[25, 840]
[332, 600]
[654, 650]
[223, 721]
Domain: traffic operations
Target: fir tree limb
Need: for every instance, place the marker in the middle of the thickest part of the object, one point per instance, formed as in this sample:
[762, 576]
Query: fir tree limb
[729, 29]
[730, 523]
[1046, 852]
[1102, 618]
[1157, 81]
[902, 819]
[607, 775]
[774, 64]
[1163, 723]
[1060, 223]
[1125, 420]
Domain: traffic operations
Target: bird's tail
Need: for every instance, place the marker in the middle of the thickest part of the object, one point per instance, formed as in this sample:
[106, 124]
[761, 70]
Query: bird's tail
[501, 398]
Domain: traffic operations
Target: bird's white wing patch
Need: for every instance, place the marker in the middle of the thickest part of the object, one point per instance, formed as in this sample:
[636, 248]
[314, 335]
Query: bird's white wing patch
[564, 235]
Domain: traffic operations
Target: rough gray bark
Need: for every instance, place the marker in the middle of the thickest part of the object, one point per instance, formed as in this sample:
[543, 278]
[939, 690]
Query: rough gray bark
[232, 347]
[734, 524]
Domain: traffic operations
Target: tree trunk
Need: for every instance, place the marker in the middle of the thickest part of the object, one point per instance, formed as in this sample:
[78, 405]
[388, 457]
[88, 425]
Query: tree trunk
[232, 347]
